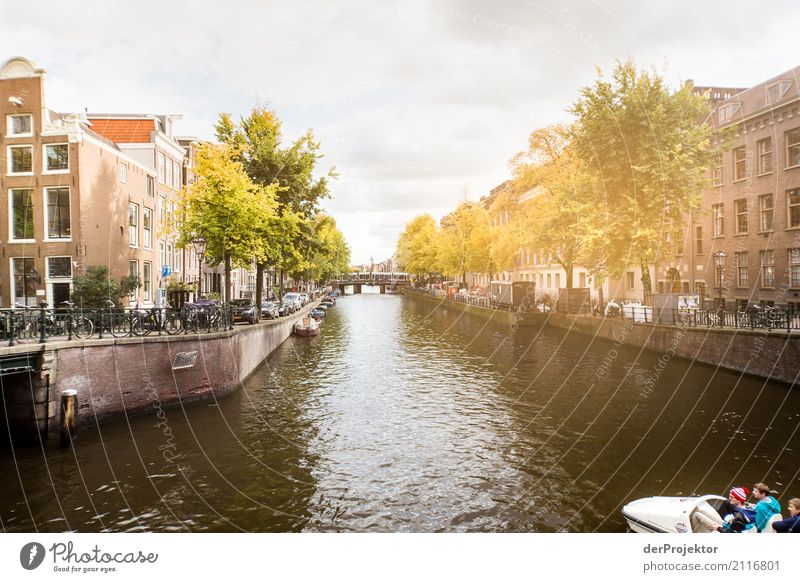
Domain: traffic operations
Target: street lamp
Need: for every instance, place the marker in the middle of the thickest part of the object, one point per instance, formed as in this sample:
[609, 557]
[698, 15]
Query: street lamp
[199, 245]
[720, 257]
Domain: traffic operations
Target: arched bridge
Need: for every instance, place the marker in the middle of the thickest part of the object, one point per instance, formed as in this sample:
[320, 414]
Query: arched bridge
[390, 282]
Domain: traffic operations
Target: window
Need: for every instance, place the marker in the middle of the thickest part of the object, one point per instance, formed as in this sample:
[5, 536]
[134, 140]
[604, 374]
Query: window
[739, 163]
[630, 275]
[20, 159]
[717, 211]
[58, 220]
[716, 171]
[777, 90]
[793, 202]
[794, 267]
[679, 242]
[133, 271]
[147, 277]
[178, 267]
[25, 280]
[160, 166]
[765, 210]
[767, 268]
[740, 207]
[133, 225]
[168, 181]
[742, 271]
[793, 148]
[162, 251]
[21, 214]
[56, 157]
[582, 279]
[151, 186]
[176, 175]
[764, 150]
[19, 125]
[147, 225]
[162, 213]
[59, 267]
[171, 255]
[558, 280]
[549, 280]
[699, 240]
[727, 111]
[123, 172]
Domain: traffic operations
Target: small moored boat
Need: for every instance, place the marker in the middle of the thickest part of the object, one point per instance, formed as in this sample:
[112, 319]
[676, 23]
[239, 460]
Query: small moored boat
[308, 326]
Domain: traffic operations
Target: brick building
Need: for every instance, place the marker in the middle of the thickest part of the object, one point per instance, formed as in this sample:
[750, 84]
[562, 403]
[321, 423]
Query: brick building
[67, 192]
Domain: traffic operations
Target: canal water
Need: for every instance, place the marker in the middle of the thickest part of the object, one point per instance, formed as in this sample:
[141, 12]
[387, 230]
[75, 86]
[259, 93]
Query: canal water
[404, 417]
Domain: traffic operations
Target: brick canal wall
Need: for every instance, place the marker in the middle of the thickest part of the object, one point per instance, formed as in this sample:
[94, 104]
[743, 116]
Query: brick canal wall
[125, 376]
[771, 355]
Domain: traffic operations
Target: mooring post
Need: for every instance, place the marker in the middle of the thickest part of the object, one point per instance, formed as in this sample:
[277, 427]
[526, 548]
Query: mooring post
[69, 413]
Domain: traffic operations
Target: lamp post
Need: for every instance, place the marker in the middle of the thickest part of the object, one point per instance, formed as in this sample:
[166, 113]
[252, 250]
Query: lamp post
[199, 245]
[720, 257]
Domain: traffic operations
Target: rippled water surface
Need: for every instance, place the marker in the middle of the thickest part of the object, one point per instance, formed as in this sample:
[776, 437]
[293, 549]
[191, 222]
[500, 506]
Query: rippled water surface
[404, 417]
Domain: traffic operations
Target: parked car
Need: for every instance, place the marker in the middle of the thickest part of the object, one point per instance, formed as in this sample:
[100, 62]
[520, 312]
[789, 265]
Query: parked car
[293, 300]
[304, 298]
[318, 313]
[243, 310]
[270, 310]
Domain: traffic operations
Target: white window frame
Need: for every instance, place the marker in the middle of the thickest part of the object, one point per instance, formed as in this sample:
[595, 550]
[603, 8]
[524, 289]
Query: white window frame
[789, 146]
[789, 206]
[147, 286]
[12, 279]
[10, 125]
[50, 281]
[761, 155]
[739, 213]
[168, 179]
[46, 207]
[176, 175]
[736, 162]
[45, 168]
[148, 244]
[133, 241]
[134, 294]
[715, 232]
[10, 160]
[160, 161]
[762, 211]
[123, 172]
[11, 238]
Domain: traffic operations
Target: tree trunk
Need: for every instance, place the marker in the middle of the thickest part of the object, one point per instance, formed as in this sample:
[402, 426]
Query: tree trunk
[259, 289]
[227, 295]
[647, 284]
[280, 288]
[570, 269]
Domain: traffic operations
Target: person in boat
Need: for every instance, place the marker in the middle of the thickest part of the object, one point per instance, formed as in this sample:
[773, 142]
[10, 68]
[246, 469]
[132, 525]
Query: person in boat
[790, 524]
[766, 507]
[736, 515]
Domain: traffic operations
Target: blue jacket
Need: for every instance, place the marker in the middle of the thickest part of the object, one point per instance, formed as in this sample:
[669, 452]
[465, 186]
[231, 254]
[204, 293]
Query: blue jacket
[788, 525]
[765, 509]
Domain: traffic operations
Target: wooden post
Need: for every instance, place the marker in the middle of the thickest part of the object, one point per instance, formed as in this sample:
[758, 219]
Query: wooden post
[69, 413]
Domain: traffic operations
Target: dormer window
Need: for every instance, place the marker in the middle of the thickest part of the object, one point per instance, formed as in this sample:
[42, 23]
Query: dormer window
[776, 90]
[727, 111]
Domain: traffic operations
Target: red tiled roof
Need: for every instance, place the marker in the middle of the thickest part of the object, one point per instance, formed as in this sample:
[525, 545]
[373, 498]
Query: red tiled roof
[123, 130]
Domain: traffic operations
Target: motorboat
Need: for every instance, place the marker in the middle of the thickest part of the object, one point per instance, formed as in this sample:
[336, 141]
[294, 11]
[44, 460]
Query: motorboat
[318, 314]
[671, 514]
[306, 327]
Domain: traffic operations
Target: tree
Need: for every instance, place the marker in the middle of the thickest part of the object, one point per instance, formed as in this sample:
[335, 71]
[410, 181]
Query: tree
[458, 241]
[416, 250]
[553, 221]
[93, 289]
[291, 170]
[647, 151]
[226, 208]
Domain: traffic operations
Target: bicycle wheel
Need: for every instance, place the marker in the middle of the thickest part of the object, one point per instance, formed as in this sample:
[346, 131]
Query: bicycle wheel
[173, 324]
[142, 325]
[82, 327]
[119, 324]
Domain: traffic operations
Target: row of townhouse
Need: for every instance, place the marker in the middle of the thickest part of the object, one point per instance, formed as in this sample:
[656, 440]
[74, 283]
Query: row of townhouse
[90, 189]
[743, 245]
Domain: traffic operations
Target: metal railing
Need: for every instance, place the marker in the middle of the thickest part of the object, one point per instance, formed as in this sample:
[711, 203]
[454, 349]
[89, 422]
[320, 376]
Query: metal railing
[39, 324]
[770, 319]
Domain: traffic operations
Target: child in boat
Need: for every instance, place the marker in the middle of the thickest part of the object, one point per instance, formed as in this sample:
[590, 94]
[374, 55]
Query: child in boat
[790, 524]
[766, 507]
[736, 515]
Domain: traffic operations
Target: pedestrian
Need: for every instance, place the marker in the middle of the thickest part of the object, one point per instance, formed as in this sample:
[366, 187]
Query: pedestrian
[766, 507]
[790, 524]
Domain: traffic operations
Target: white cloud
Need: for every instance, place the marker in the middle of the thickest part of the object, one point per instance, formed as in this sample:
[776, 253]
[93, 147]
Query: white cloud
[414, 102]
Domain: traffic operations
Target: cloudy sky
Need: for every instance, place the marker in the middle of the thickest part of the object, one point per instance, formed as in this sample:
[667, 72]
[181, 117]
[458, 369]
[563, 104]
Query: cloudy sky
[418, 104]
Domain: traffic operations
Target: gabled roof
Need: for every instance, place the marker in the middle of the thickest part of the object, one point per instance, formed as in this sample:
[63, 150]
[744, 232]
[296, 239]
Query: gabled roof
[770, 94]
[124, 130]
